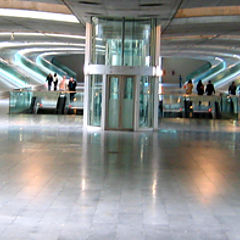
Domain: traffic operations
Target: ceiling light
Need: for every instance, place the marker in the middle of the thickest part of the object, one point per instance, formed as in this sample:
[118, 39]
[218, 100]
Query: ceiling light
[150, 4]
[88, 3]
[42, 34]
[5, 12]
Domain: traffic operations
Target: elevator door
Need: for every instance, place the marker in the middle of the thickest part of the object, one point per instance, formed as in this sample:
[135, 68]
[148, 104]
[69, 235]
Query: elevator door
[120, 105]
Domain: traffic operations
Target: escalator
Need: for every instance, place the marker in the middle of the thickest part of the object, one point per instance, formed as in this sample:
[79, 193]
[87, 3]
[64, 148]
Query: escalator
[226, 76]
[199, 73]
[67, 70]
[50, 67]
[205, 73]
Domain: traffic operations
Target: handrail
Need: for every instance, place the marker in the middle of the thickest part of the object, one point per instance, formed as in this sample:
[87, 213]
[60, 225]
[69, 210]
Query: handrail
[50, 92]
[51, 66]
[196, 75]
[65, 68]
[228, 73]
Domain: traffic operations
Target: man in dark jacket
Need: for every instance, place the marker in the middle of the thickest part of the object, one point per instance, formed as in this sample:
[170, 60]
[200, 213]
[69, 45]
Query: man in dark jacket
[49, 80]
[210, 88]
[72, 87]
[232, 89]
[200, 88]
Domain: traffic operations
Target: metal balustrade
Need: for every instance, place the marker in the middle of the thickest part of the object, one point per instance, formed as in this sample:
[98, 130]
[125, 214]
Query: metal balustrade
[183, 106]
[56, 102]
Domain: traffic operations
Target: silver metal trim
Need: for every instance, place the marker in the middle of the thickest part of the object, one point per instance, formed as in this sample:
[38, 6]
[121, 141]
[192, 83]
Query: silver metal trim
[93, 69]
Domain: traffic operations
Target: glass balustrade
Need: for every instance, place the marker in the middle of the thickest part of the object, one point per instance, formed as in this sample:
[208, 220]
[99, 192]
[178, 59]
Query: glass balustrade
[193, 106]
[27, 101]
[19, 101]
[183, 106]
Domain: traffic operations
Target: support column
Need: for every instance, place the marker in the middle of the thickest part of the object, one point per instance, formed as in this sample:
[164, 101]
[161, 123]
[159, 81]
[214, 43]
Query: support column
[104, 58]
[158, 76]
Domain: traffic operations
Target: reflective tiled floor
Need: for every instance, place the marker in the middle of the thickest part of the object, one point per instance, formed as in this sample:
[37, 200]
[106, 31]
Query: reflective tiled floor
[59, 182]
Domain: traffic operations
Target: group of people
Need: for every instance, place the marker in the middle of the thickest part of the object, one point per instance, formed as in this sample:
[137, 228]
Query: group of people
[210, 90]
[63, 85]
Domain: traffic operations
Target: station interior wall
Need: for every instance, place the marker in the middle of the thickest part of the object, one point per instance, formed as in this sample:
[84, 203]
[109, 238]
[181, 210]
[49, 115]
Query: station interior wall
[75, 62]
[173, 67]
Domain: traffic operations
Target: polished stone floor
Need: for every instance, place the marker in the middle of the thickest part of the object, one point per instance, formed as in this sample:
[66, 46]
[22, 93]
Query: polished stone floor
[59, 182]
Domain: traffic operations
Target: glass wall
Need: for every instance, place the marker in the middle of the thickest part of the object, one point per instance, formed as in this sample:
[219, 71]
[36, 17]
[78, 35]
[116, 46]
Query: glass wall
[113, 102]
[127, 103]
[121, 42]
[95, 100]
[146, 102]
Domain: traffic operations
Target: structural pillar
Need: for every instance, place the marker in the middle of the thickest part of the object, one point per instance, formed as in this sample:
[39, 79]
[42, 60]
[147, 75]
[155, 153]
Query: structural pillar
[122, 73]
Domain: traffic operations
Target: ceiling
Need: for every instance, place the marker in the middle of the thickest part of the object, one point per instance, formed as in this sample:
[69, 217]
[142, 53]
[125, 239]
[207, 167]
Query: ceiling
[202, 29]
[187, 25]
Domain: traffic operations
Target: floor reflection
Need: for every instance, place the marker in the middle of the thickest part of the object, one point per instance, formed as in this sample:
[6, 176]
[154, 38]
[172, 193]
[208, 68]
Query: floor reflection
[101, 184]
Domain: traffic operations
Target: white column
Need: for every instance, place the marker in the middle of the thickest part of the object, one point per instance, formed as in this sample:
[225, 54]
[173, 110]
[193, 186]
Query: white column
[156, 80]
[87, 61]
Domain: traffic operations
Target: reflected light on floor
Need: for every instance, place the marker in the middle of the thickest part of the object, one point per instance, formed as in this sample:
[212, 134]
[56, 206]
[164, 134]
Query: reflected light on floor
[83, 184]
[34, 176]
[154, 186]
[209, 184]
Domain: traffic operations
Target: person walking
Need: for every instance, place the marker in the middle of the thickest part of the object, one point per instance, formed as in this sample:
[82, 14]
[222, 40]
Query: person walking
[62, 85]
[180, 81]
[55, 81]
[189, 87]
[49, 80]
[210, 88]
[200, 88]
[232, 88]
[72, 88]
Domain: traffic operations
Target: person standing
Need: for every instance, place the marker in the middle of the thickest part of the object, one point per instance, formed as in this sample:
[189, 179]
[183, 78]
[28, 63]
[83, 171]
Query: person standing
[189, 87]
[62, 85]
[180, 81]
[49, 80]
[55, 81]
[200, 88]
[232, 88]
[72, 87]
[210, 88]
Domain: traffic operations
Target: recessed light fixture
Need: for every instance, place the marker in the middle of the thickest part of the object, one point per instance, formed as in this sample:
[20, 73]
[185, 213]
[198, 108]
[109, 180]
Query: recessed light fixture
[148, 15]
[150, 5]
[89, 3]
[94, 14]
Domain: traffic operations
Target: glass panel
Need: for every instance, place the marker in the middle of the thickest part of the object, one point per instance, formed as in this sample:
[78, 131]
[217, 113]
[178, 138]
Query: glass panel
[127, 103]
[110, 35]
[146, 103]
[95, 100]
[78, 99]
[19, 101]
[137, 43]
[113, 103]
[106, 41]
